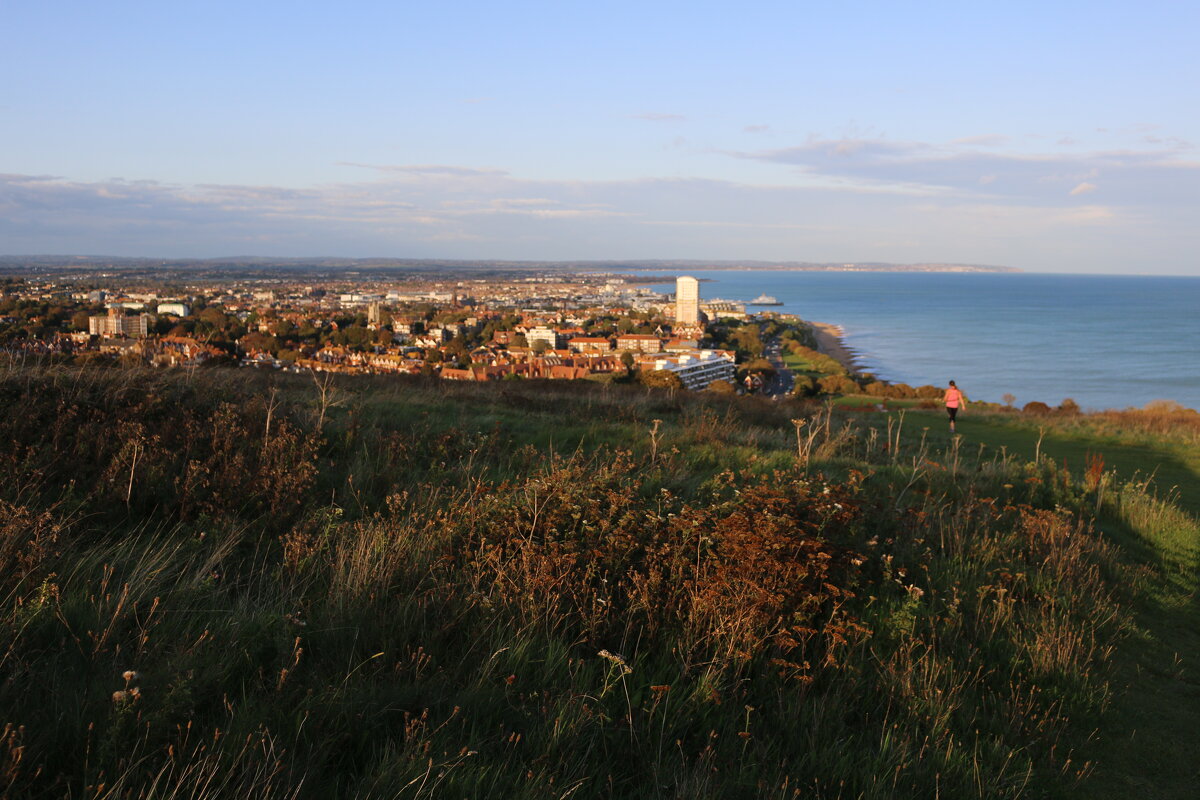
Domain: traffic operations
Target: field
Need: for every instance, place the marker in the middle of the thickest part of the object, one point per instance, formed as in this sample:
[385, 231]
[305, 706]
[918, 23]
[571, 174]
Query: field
[230, 584]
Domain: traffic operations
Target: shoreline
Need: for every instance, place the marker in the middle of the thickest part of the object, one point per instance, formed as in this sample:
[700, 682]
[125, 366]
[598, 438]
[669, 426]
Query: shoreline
[831, 343]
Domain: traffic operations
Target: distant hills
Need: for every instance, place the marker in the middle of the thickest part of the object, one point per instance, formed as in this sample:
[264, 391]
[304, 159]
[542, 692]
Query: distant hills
[425, 264]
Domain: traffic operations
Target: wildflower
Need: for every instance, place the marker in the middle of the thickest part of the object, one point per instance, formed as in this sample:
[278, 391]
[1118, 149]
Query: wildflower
[130, 676]
[616, 658]
[119, 697]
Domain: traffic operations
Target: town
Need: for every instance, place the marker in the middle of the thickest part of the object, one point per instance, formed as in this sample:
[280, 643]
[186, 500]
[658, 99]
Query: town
[514, 325]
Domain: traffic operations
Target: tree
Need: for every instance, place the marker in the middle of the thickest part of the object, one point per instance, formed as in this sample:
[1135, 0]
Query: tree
[748, 340]
[457, 348]
[258, 341]
[660, 379]
[281, 328]
[761, 366]
[838, 384]
[628, 360]
[214, 317]
[805, 386]
[721, 387]
[79, 320]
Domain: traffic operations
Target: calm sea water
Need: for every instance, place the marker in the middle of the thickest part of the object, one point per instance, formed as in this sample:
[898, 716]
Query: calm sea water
[1104, 341]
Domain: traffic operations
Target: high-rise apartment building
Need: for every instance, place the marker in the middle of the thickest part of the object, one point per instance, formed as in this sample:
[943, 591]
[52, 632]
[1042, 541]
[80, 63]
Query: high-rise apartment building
[687, 301]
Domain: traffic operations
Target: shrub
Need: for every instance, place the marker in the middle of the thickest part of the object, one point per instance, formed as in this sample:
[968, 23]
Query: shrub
[1037, 408]
[929, 392]
[805, 386]
[838, 384]
[722, 387]
[1068, 406]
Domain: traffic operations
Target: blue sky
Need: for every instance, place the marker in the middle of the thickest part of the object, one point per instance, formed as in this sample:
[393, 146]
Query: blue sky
[1047, 136]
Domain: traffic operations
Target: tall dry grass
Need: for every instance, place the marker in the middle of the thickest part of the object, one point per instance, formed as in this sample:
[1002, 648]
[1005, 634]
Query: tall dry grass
[423, 592]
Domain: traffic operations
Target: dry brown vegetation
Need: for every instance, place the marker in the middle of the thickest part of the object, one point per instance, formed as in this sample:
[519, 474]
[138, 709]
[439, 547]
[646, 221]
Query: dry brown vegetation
[544, 591]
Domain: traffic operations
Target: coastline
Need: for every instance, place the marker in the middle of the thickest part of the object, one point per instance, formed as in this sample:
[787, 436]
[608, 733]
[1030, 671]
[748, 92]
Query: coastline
[831, 343]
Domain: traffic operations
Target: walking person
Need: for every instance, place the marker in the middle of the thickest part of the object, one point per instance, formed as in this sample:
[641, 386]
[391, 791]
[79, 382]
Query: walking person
[954, 399]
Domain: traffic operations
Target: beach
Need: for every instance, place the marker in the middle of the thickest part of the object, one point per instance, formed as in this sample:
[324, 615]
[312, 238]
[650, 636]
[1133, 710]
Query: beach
[829, 342]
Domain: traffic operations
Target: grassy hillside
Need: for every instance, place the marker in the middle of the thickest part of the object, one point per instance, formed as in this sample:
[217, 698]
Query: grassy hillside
[231, 584]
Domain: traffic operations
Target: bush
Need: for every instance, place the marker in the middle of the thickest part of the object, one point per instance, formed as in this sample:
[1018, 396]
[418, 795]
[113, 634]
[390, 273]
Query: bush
[805, 386]
[901, 391]
[838, 384]
[1036, 408]
[722, 387]
[1069, 406]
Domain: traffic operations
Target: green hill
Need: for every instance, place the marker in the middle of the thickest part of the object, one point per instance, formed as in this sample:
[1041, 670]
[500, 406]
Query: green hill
[232, 584]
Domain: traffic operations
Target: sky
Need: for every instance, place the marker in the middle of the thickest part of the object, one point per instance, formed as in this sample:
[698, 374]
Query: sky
[1048, 136]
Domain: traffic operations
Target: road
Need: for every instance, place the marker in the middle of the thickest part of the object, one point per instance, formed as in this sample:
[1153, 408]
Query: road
[783, 382]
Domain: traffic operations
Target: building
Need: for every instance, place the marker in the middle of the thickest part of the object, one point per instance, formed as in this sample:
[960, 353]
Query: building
[590, 344]
[375, 313]
[724, 309]
[639, 342]
[551, 337]
[687, 301]
[175, 309]
[698, 371]
[115, 323]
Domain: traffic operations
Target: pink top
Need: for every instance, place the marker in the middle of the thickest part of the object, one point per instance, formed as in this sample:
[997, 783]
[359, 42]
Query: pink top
[953, 397]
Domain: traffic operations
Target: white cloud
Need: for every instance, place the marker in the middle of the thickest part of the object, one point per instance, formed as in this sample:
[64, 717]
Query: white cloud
[1164, 174]
[1083, 188]
[870, 205]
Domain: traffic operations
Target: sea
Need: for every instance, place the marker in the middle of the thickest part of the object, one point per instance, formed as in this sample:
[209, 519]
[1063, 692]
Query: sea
[1104, 341]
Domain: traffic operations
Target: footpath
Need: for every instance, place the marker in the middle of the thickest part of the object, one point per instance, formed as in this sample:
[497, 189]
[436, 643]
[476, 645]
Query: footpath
[1147, 744]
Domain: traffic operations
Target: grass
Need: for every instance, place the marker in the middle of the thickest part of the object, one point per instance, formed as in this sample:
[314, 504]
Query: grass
[403, 588]
[1148, 747]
